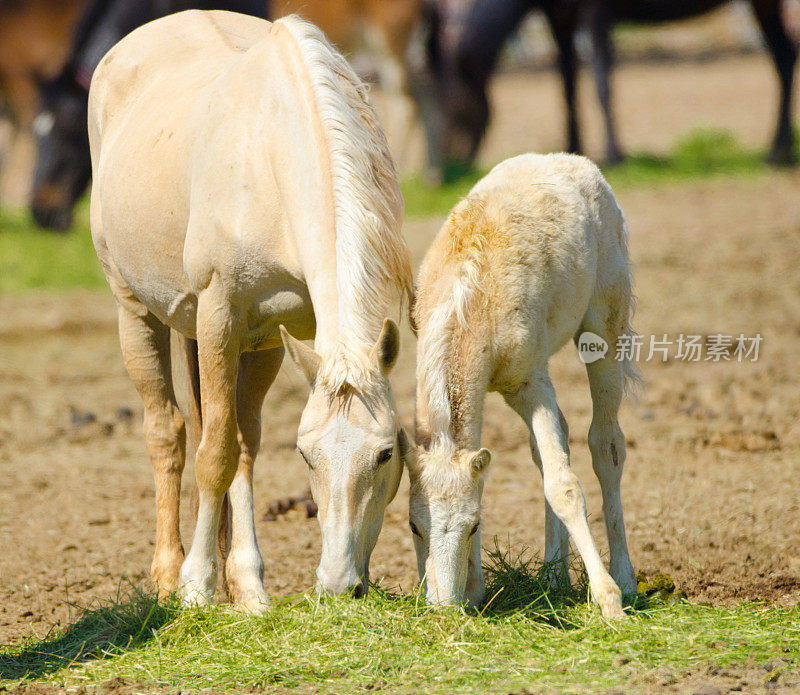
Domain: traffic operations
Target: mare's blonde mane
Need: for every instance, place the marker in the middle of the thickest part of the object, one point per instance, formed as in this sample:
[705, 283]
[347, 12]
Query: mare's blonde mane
[372, 262]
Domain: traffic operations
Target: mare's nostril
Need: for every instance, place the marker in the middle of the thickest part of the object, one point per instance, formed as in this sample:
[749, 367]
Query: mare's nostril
[358, 591]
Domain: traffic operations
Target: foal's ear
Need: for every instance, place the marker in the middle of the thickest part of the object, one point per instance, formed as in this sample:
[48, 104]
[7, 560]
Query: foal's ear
[386, 349]
[407, 451]
[304, 357]
[480, 462]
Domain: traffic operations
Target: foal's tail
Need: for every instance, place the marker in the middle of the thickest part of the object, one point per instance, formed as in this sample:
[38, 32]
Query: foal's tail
[186, 384]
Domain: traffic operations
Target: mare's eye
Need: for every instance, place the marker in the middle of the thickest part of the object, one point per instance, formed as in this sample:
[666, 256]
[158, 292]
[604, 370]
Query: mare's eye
[305, 458]
[384, 456]
[474, 530]
[414, 529]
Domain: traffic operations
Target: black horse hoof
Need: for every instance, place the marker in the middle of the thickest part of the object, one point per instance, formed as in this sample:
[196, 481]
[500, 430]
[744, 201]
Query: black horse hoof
[782, 157]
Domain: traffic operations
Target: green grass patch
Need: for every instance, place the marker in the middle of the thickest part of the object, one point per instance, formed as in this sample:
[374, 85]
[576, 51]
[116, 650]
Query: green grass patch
[527, 636]
[700, 154]
[31, 258]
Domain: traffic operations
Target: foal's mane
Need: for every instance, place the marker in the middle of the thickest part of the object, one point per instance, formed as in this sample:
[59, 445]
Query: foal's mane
[442, 309]
[372, 262]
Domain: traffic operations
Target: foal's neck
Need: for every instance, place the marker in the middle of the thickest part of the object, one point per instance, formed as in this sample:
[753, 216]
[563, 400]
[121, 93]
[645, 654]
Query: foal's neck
[469, 368]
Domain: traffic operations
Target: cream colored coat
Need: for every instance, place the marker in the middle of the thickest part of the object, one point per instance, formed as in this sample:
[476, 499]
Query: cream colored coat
[242, 183]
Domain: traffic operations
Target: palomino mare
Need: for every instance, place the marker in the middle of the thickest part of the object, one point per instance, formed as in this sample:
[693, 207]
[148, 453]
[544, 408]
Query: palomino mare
[490, 23]
[535, 255]
[242, 184]
[63, 166]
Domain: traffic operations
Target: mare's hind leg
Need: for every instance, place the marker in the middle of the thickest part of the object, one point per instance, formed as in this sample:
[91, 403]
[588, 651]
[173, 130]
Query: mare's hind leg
[537, 403]
[145, 347]
[244, 568]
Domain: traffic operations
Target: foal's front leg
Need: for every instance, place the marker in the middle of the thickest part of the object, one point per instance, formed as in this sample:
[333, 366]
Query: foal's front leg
[563, 490]
[556, 537]
[217, 456]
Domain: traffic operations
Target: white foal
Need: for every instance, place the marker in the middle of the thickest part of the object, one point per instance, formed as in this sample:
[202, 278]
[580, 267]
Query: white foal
[535, 255]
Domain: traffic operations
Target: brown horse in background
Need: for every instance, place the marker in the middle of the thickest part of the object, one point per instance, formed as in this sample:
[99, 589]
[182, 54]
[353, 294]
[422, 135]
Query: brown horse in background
[35, 37]
[387, 28]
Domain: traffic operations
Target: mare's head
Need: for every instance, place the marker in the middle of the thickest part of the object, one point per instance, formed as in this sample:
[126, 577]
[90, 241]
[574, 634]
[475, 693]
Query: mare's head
[63, 164]
[445, 516]
[354, 447]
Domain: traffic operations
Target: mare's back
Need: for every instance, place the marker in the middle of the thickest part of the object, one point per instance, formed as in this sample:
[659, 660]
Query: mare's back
[170, 59]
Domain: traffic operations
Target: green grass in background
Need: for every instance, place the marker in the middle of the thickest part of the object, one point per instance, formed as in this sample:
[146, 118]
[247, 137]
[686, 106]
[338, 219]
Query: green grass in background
[701, 154]
[32, 259]
[525, 637]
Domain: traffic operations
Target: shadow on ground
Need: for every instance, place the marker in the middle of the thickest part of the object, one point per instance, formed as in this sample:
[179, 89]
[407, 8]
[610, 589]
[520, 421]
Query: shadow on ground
[102, 631]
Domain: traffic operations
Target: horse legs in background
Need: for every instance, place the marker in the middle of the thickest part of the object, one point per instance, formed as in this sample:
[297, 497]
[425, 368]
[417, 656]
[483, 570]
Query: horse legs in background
[146, 348]
[784, 55]
[600, 24]
[244, 568]
[563, 23]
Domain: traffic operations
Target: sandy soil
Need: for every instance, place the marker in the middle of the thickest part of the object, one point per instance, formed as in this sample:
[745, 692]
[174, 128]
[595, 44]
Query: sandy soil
[711, 480]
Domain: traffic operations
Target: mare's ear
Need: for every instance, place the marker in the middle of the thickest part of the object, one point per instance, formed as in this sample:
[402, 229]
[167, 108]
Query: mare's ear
[303, 356]
[386, 349]
[480, 462]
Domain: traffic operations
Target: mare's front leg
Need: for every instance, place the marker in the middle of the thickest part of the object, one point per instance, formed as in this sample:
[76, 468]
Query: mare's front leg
[145, 348]
[562, 488]
[218, 350]
[244, 568]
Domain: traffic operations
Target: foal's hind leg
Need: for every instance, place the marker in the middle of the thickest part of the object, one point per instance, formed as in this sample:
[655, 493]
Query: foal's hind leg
[561, 487]
[244, 568]
[145, 347]
[607, 444]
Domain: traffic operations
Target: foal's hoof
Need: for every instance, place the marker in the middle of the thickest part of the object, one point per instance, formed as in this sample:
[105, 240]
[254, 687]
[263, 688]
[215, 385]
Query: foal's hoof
[609, 599]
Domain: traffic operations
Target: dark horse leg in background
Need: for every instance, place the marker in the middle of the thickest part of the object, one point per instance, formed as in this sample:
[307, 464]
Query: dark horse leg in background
[601, 16]
[563, 20]
[600, 21]
[466, 111]
[784, 54]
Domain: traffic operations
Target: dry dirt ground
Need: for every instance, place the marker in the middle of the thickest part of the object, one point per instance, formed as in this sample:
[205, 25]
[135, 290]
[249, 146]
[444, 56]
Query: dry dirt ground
[711, 494]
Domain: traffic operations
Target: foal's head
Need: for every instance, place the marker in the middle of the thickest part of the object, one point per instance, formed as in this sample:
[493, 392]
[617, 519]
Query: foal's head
[354, 447]
[445, 515]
